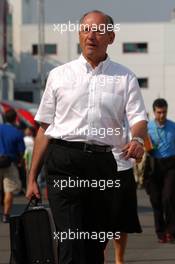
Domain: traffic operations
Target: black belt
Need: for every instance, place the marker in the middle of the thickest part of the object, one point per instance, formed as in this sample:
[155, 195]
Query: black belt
[81, 145]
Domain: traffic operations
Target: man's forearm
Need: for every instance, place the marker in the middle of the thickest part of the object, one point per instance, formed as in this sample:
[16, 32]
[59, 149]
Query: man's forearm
[134, 149]
[40, 146]
[139, 129]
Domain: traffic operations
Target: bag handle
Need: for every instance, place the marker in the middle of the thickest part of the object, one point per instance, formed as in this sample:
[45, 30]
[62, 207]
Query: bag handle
[34, 201]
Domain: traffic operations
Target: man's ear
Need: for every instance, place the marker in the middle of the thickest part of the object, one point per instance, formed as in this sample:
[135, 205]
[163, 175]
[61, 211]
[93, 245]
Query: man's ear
[111, 37]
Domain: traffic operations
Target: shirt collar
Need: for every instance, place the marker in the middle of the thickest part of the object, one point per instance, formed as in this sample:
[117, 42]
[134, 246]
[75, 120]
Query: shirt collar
[101, 66]
[160, 126]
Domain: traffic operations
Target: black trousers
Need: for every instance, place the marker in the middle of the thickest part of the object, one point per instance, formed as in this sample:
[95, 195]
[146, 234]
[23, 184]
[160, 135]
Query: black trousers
[86, 209]
[162, 195]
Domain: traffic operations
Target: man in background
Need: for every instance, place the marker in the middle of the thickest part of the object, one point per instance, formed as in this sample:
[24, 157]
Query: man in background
[11, 152]
[161, 182]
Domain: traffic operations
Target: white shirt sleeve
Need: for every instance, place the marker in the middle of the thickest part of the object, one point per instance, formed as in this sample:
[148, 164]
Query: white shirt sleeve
[135, 108]
[47, 107]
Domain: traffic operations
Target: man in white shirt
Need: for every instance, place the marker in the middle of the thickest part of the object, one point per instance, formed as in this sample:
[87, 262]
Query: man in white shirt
[81, 115]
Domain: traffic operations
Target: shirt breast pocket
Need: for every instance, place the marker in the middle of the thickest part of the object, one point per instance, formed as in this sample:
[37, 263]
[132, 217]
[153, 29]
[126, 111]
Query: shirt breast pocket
[111, 105]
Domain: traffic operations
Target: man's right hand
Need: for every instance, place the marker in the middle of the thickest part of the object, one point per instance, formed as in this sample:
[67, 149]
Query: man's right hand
[33, 190]
[40, 146]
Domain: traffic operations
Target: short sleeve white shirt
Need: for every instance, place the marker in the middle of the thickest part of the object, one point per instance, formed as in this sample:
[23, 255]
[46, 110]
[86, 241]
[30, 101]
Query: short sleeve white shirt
[85, 104]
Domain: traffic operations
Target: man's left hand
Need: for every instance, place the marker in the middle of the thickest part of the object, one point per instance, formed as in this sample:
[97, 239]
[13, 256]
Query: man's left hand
[134, 150]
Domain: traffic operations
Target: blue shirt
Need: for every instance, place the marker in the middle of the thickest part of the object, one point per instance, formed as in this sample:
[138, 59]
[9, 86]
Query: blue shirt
[163, 138]
[11, 141]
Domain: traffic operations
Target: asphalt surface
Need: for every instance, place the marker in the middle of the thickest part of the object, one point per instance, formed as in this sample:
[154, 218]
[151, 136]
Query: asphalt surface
[142, 248]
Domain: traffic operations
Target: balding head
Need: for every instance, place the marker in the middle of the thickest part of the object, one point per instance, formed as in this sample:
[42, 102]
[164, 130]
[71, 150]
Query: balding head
[109, 19]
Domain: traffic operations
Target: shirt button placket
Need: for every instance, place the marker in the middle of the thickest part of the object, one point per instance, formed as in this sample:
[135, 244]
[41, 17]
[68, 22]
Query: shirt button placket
[91, 102]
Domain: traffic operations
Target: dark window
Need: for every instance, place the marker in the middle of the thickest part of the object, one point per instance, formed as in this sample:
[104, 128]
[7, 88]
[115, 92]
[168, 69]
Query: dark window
[79, 50]
[48, 49]
[34, 49]
[10, 50]
[143, 82]
[9, 19]
[24, 96]
[135, 47]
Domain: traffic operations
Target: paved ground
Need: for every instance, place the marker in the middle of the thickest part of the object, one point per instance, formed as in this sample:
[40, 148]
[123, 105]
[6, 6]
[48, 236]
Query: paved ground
[142, 248]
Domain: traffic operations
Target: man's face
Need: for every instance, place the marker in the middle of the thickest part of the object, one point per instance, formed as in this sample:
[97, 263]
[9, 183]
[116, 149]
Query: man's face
[94, 39]
[160, 114]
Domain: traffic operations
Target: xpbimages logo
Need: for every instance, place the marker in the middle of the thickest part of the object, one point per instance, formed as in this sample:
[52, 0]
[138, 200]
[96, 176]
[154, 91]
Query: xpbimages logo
[82, 183]
[101, 132]
[100, 29]
[72, 235]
